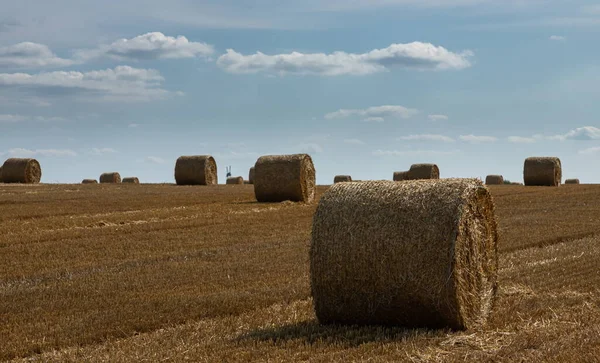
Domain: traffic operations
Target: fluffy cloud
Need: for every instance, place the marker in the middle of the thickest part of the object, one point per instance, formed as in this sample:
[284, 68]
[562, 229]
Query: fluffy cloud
[376, 114]
[521, 140]
[30, 55]
[591, 150]
[103, 151]
[7, 118]
[154, 45]
[123, 83]
[20, 152]
[558, 38]
[310, 148]
[427, 137]
[437, 117]
[477, 139]
[416, 55]
[155, 160]
[580, 133]
[413, 152]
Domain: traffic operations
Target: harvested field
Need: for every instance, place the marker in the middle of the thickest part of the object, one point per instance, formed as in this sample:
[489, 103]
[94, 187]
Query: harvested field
[114, 273]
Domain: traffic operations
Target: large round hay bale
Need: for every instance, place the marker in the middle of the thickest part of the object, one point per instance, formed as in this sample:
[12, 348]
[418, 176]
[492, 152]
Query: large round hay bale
[16, 170]
[278, 178]
[400, 175]
[89, 181]
[572, 181]
[112, 177]
[235, 180]
[251, 176]
[416, 254]
[1, 175]
[542, 171]
[494, 179]
[423, 171]
[341, 179]
[516, 183]
[196, 170]
[131, 180]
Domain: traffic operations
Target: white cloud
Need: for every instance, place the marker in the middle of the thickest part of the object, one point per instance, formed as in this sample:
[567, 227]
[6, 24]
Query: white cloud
[416, 55]
[427, 137]
[123, 83]
[522, 140]
[310, 148]
[155, 160]
[437, 117]
[477, 139]
[103, 151]
[20, 152]
[374, 114]
[580, 133]
[413, 152]
[591, 150]
[30, 55]
[20, 118]
[354, 142]
[12, 118]
[154, 45]
[373, 119]
[558, 38]
[133, 126]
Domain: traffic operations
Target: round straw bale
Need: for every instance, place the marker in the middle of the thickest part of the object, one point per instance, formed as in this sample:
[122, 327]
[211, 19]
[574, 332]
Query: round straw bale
[572, 181]
[89, 181]
[1, 174]
[542, 171]
[423, 171]
[196, 170]
[251, 176]
[400, 175]
[235, 180]
[279, 178]
[516, 183]
[131, 180]
[342, 178]
[494, 179]
[416, 254]
[16, 170]
[113, 177]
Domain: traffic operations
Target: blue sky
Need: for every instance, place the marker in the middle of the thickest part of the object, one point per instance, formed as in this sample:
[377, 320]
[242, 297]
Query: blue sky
[365, 87]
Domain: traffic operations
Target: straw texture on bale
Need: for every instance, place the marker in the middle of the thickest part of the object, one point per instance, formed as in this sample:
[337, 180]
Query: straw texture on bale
[251, 176]
[131, 180]
[415, 254]
[89, 181]
[196, 170]
[400, 175]
[235, 180]
[423, 171]
[342, 178]
[16, 170]
[494, 179]
[278, 178]
[113, 177]
[542, 171]
[572, 181]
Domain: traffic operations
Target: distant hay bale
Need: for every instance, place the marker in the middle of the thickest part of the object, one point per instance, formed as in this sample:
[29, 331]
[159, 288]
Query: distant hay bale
[196, 170]
[423, 171]
[400, 175]
[542, 171]
[278, 178]
[17, 170]
[131, 180]
[251, 176]
[235, 180]
[572, 181]
[89, 181]
[113, 177]
[416, 254]
[516, 183]
[342, 178]
[494, 179]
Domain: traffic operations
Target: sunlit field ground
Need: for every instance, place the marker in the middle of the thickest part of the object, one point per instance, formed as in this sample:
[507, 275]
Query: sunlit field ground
[160, 272]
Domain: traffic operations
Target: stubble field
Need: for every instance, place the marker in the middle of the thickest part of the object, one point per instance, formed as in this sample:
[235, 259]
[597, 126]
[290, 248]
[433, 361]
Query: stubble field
[160, 272]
